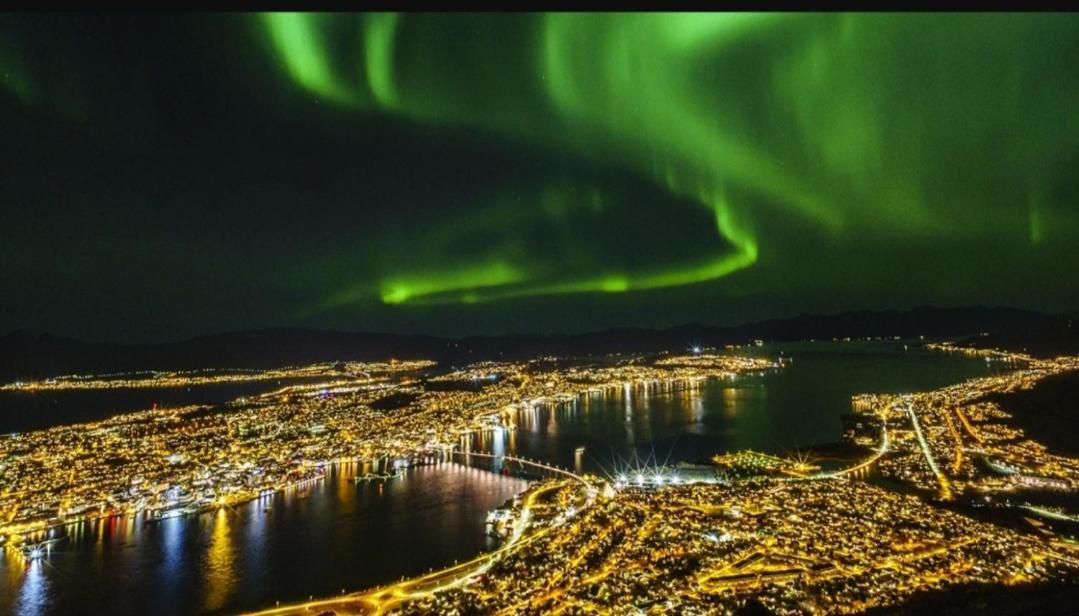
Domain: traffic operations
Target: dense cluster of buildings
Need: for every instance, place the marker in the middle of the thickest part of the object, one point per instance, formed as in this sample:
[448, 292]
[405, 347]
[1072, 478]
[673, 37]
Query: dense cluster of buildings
[173, 461]
[211, 376]
[775, 531]
[812, 546]
[806, 541]
[953, 441]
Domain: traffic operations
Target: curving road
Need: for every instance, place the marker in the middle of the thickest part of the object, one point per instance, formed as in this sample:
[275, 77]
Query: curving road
[382, 599]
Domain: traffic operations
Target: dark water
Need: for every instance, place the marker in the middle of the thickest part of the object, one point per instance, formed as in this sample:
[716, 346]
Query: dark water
[313, 540]
[22, 411]
[780, 412]
[343, 535]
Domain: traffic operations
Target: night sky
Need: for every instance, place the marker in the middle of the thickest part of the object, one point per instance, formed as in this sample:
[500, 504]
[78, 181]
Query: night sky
[168, 176]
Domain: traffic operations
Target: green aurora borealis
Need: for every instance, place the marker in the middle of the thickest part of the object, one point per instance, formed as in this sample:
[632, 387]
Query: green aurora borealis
[166, 176]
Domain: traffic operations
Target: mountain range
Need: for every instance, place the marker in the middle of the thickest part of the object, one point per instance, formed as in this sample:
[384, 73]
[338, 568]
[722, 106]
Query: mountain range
[25, 355]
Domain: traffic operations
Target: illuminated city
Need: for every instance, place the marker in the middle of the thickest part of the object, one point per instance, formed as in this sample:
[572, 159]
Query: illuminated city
[646, 536]
[371, 313]
[188, 459]
[819, 541]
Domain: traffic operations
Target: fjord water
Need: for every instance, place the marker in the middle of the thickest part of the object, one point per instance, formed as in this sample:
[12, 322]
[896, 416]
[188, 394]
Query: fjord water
[780, 411]
[23, 411]
[314, 540]
[335, 535]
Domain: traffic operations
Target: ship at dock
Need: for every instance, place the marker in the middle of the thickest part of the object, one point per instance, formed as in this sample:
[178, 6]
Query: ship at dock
[178, 503]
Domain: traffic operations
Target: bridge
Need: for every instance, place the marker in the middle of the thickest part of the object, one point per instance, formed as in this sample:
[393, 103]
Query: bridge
[525, 462]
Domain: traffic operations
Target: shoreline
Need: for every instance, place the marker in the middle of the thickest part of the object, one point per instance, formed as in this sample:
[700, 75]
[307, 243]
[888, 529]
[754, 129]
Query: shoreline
[148, 513]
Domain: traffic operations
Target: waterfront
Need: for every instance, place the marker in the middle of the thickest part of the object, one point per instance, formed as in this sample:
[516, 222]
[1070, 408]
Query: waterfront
[344, 536]
[25, 411]
[781, 411]
[785, 539]
[316, 540]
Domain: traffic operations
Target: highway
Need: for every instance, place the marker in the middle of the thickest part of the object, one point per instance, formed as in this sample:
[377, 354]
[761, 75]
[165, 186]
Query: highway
[945, 490]
[885, 445]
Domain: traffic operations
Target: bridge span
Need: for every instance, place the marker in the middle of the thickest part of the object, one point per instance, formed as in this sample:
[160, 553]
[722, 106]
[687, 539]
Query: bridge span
[540, 465]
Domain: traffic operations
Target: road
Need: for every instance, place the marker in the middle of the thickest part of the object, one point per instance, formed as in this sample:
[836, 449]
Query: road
[380, 600]
[539, 465]
[945, 489]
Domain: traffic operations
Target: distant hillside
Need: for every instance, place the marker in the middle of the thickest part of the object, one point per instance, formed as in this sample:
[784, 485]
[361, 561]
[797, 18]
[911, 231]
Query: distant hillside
[1049, 412]
[25, 356]
[1057, 335]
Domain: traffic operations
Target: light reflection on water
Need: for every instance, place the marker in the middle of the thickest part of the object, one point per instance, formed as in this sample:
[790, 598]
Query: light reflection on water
[33, 594]
[337, 534]
[220, 564]
[779, 411]
[317, 540]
